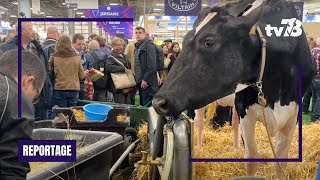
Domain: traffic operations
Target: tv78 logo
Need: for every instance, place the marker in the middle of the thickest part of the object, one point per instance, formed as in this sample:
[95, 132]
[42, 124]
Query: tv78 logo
[293, 28]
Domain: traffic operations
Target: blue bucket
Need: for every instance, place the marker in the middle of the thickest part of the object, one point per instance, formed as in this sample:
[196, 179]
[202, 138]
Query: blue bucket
[96, 112]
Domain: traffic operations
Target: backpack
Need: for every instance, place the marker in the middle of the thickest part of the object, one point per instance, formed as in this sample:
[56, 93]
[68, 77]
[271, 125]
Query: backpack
[160, 58]
[47, 48]
[51, 74]
[100, 65]
[47, 90]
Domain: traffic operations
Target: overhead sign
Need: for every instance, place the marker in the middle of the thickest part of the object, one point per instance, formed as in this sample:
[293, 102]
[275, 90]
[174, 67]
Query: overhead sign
[213, 3]
[114, 27]
[92, 4]
[35, 6]
[171, 18]
[182, 7]
[72, 5]
[299, 8]
[315, 18]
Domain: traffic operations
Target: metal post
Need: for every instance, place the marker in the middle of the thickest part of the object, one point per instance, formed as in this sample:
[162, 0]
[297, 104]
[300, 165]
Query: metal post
[24, 6]
[89, 28]
[181, 168]
[186, 24]
[144, 7]
[100, 31]
[103, 2]
[71, 24]
[177, 32]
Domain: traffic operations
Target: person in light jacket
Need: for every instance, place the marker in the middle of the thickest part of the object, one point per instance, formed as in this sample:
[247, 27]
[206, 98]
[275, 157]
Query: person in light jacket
[68, 71]
[122, 96]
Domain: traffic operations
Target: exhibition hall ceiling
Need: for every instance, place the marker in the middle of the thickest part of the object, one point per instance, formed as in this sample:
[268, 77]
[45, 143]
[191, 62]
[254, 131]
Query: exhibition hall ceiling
[56, 8]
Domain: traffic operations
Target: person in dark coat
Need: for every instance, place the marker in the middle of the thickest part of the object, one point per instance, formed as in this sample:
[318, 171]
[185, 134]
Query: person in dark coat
[92, 56]
[122, 96]
[49, 48]
[51, 40]
[31, 45]
[145, 67]
[12, 127]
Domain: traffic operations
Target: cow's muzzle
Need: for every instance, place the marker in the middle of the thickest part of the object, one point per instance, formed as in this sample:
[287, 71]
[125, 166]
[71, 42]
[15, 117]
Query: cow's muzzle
[160, 105]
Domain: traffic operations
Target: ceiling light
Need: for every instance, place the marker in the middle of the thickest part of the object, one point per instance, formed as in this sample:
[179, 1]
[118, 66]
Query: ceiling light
[83, 16]
[41, 12]
[204, 4]
[49, 16]
[113, 4]
[157, 9]
[15, 3]
[13, 16]
[159, 4]
[30, 8]
[3, 12]
[75, 9]
[79, 13]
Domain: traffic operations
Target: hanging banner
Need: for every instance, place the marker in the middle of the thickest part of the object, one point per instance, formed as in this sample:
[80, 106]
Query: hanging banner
[213, 3]
[117, 27]
[111, 12]
[182, 7]
[161, 26]
[299, 8]
[113, 27]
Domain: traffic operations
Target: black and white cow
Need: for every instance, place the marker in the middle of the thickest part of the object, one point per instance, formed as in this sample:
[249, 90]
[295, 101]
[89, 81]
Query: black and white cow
[223, 54]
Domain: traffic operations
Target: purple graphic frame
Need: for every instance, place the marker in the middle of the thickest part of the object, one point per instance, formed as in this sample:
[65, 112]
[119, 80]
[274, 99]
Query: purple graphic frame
[21, 20]
[38, 158]
[299, 159]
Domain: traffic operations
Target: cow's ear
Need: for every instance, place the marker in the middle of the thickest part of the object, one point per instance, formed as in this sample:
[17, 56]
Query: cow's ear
[252, 14]
[249, 20]
[239, 7]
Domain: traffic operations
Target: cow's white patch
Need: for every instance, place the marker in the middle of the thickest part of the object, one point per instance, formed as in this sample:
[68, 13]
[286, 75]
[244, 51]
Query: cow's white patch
[205, 21]
[227, 101]
[240, 87]
[255, 4]
[276, 119]
[281, 121]
[280, 114]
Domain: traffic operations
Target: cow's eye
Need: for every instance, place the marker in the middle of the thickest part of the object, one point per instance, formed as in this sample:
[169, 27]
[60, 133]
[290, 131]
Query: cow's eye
[209, 43]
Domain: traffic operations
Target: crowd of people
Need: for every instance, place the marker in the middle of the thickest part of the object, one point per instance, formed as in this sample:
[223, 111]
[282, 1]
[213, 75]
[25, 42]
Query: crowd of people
[69, 61]
[314, 91]
[55, 71]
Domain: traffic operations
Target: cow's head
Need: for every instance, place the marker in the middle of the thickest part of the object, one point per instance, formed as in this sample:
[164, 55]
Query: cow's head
[212, 63]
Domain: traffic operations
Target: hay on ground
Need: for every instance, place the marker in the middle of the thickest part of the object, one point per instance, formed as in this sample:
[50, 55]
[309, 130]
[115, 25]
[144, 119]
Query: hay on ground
[219, 144]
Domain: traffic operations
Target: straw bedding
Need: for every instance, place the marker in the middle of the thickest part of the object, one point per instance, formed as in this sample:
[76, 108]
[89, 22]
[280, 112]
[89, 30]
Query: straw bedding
[219, 144]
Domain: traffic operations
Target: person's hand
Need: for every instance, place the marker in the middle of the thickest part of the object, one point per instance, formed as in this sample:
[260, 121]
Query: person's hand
[88, 89]
[144, 84]
[169, 55]
[159, 79]
[88, 72]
